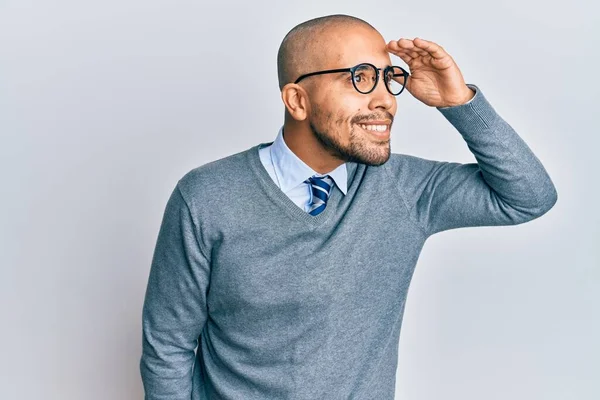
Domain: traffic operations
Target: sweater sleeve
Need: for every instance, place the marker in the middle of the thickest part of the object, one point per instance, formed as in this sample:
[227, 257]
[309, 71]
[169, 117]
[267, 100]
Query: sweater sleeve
[507, 185]
[174, 310]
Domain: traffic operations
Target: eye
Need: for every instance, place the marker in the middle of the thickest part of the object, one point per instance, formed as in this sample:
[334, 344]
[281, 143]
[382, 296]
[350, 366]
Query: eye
[358, 77]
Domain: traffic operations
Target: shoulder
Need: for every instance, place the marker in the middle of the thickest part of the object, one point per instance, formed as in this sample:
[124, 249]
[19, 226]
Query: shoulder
[407, 167]
[214, 178]
[411, 174]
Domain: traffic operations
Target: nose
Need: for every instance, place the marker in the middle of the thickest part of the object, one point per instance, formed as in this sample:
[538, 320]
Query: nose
[381, 97]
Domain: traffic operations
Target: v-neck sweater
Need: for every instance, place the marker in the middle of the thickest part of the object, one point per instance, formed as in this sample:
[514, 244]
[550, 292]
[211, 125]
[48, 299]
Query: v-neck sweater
[291, 173]
[283, 200]
[286, 305]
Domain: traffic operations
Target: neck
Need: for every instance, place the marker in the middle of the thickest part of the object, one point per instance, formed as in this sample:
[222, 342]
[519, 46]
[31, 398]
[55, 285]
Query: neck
[307, 148]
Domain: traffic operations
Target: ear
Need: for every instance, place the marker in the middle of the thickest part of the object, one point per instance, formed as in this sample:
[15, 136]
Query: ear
[296, 101]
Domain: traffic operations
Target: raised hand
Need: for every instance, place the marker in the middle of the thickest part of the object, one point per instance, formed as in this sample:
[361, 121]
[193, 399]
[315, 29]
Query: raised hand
[434, 79]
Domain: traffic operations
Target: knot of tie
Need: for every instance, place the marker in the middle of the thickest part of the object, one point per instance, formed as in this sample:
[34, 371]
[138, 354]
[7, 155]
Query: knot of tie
[320, 187]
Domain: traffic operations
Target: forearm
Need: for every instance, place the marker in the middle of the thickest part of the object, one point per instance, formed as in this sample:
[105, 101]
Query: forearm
[507, 164]
[506, 186]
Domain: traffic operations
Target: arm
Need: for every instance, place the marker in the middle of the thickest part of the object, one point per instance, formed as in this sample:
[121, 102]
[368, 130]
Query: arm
[507, 186]
[174, 311]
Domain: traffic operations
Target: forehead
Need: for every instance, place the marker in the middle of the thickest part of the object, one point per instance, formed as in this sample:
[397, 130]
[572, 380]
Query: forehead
[356, 45]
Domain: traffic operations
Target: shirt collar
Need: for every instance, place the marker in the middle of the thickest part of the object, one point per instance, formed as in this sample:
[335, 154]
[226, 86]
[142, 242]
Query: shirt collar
[292, 171]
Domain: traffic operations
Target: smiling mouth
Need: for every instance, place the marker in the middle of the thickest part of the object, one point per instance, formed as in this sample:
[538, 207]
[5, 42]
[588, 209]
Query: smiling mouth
[376, 132]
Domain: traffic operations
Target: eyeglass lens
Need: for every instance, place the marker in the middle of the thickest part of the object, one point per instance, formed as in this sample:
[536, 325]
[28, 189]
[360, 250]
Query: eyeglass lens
[365, 79]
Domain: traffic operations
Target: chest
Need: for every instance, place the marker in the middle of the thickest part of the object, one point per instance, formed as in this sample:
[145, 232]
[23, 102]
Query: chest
[263, 272]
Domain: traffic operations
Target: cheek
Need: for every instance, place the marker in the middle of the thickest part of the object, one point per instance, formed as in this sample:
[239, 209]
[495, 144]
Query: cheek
[343, 117]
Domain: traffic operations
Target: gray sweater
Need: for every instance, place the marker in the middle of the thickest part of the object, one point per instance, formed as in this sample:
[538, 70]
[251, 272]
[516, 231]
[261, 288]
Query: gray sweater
[286, 305]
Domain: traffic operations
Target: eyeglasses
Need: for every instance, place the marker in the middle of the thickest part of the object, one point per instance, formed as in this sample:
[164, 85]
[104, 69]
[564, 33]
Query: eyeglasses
[365, 77]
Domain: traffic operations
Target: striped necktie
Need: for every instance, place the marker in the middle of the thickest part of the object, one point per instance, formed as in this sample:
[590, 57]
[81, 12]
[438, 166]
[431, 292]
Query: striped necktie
[321, 188]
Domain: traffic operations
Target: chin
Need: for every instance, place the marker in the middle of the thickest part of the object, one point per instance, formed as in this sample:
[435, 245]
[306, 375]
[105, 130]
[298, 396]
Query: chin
[374, 158]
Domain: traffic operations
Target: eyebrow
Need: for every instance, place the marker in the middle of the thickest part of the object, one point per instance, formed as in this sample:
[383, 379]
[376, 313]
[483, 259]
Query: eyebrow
[342, 75]
[382, 68]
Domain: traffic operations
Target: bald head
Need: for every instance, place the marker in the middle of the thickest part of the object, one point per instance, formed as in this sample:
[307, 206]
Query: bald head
[324, 113]
[305, 48]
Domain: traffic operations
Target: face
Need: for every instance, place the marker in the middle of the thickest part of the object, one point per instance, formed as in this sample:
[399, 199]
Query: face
[338, 111]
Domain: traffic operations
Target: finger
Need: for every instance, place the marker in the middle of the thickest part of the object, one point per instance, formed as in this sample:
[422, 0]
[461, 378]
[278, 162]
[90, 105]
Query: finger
[405, 57]
[435, 50]
[415, 54]
[410, 53]
[408, 46]
[411, 47]
[405, 43]
[402, 53]
[394, 46]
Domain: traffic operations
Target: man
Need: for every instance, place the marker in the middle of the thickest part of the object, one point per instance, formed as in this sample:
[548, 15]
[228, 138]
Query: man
[289, 263]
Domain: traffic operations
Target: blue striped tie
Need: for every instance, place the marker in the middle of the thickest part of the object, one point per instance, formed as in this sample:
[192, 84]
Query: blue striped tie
[321, 188]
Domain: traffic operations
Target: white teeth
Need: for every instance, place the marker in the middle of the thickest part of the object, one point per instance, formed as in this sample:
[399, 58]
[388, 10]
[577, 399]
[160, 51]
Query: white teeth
[379, 128]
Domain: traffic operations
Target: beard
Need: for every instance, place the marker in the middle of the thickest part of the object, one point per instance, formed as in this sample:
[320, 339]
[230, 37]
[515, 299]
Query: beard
[361, 149]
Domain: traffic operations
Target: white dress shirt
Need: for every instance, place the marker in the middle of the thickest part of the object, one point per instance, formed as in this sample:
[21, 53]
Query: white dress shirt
[289, 172]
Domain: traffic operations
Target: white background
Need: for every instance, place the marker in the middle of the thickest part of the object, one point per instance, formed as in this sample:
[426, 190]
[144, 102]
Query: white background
[104, 105]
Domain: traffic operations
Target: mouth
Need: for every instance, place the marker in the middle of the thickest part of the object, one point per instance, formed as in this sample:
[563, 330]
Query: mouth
[380, 131]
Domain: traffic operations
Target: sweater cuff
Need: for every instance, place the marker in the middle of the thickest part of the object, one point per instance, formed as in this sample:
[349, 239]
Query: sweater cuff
[476, 113]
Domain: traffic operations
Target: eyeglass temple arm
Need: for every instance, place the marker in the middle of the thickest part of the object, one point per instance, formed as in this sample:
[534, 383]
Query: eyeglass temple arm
[322, 72]
[335, 70]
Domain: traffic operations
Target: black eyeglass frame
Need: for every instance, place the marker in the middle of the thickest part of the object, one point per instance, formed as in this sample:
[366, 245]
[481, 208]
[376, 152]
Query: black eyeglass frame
[405, 73]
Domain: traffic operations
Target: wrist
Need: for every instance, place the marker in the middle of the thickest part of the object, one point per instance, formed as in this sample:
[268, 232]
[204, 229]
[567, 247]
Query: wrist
[469, 94]
[464, 99]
